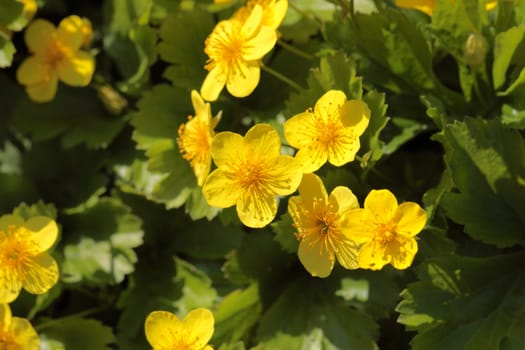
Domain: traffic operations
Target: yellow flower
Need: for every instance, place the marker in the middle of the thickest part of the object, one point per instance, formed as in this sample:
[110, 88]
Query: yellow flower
[386, 230]
[195, 137]
[235, 49]
[318, 220]
[16, 333]
[56, 55]
[30, 7]
[87, 32]
[250, 173]
[330, 132]
[165, 331]
[428, 6]
[273, 11]
[23, 257]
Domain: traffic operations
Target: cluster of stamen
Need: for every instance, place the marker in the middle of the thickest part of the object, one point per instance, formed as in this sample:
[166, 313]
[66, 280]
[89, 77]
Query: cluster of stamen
[223, 46]
[251, 176]
[56, 52]
[194, 140]
[16, 250]
[7, 341]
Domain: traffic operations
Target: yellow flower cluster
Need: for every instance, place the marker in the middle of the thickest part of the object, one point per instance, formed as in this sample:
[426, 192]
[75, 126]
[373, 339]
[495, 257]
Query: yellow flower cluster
[251, 173]
[25, 264]
[56, 55]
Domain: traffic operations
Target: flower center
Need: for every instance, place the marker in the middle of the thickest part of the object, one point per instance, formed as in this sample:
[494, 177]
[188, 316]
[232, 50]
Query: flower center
[56, 52]
[224, 45]
[16, 249]
[194, 140]
[387, 232]
[251, 176]
[7, 341]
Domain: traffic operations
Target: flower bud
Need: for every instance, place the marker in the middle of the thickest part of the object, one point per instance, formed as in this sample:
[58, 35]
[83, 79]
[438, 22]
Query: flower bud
[476, 49]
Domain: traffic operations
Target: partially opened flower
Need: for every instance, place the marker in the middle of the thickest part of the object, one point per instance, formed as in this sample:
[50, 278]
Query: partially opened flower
[165, 331]
[195, 137]
[317, 218]
[250, 173]
[235, 49]
[273, 11]
[16, 333]
[386, 230]
[56, 56]
[428, 6]
[330, 132]
[23, 258]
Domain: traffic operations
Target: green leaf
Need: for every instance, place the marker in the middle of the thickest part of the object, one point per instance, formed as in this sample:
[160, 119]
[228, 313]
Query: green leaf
[10, 12]
[40, 208]
[100, 241]
[466, 303]
[372, 146]
[7, 51]
[512, 118]
[182, 37]
[319, 320]
[284, 233]
[168, 177]
[76, 115]
[508, 54]
[486, 164]
[10, 159]
[236, 315]
[78, 334]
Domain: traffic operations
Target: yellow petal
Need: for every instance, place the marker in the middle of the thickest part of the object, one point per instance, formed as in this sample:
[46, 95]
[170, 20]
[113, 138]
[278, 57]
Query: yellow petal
[201, 169]
[312, 189]
[278, 12]
[39, 35]
[284, 175]
[10, 287]
[344, 151]
[8, 220]
[220, 190]
[160, 326]
[300, 129]
[329, 105]
[382, 204]
[41, 274]
[33, 70]
[315, 258]
[226, 149]
[262, 140]
[256, 209]
[5, 316]
[491, 4]
[410, 218]
[71, 32]
[243, 80]
[45, 231]
[427, 6]
[347, 253]
[45, 90]
[259, 46]
[343, 199]
[199, 105]
[402, 252]
[311, 158]
[252, 23]
[76, 70]
[358, 225]
[213, 83]
[198, 325]
[24, 334]
[373, 256]
[355, 114]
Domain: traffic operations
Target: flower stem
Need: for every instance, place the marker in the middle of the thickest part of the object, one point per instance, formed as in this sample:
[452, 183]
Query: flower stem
[50, 323]
[295, 50]
[281, 77]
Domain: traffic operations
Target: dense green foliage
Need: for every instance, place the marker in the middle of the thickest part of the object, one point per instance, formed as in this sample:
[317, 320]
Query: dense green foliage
[447, 130]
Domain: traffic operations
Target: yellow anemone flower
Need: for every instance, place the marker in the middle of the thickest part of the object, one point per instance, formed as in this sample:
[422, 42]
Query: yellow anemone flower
[235, 49]
[30, 7]
[195, 137]
[23, 257]
[428, 6]
[165, 331]
[56, 55]
[386, 230]
[250, 173]
[273, 11]
[328, 132]
[16, 333]
[318, 220]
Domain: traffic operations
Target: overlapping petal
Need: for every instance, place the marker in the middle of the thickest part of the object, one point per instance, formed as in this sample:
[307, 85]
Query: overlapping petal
[382, 203]
[256, 208]
[159, 326]
[214, 83]
[39, 36]
[45, 231]
[70, 32]
[76, 70]
[33, 70]
[328, 106]
[243, 79]
[199, 327]
[410, 218]
[262, 140]
[226, 150]
[220, 189]
[40, 274]
[316, 259]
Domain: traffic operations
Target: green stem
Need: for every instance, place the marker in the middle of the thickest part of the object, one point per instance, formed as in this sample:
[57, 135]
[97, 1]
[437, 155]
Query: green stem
[87, 312]
[281, 77]
[295, 50]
